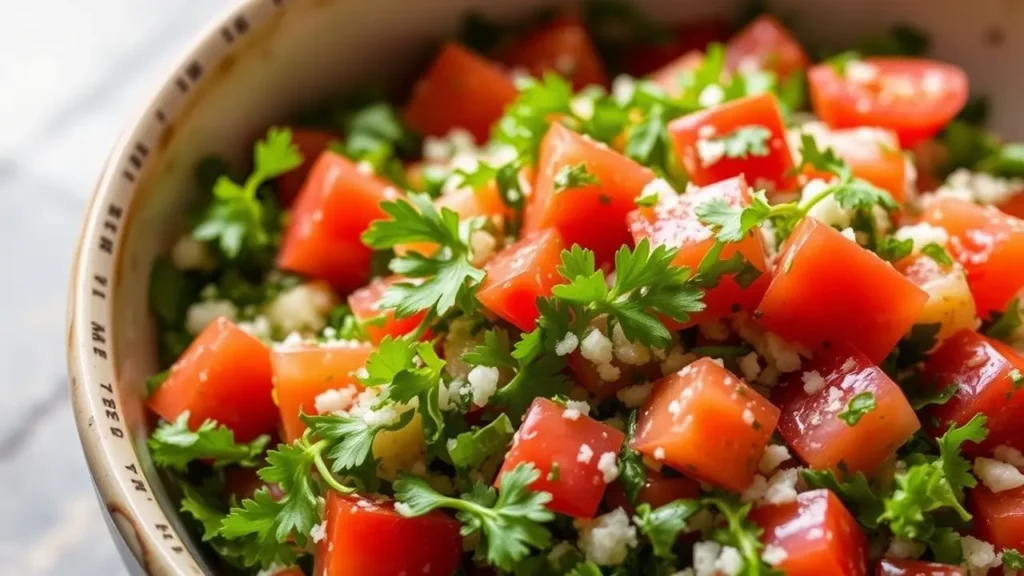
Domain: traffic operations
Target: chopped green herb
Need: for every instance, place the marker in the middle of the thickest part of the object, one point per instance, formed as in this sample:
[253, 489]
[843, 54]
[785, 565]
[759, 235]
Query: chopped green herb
[857, 408]
[937, 253]
[575, 176]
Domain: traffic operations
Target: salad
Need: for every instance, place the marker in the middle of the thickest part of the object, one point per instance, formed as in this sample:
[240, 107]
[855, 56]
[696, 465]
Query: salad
[605, 296]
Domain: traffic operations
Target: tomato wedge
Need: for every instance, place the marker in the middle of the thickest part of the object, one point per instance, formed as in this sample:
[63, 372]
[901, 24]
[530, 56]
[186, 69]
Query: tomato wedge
[365, 305]
[520, 274]
[915, 568]
[765, 44]
[707, 424]
[913, 97]
[224, 375]
[568, 453]
[564, 47]
[311, 143]
[999, 517]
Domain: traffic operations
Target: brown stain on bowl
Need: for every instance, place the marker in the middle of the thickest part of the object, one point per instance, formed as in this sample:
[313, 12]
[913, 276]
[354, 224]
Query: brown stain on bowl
[118, 511]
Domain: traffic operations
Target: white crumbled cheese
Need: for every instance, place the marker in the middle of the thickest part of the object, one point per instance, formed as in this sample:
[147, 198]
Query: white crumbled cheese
[849, 365]
[291, 342]
[304, 307]
[835, 397]
[729, 561]
[447, 396]
[774, 555]
[980, 187]
[336, 400]
[661, 189]
[318, 532]
[191, 254]
[813, 382]
[849, 234]
[717, 331]
[585, 454]
[978, 555]
[710, 151]
[567, 345]
[582, 106]
[756, 490]
[997, 476]
[659, 453]
[597, 347]
[711, 95]
[861, 72]
[483, 381]
[482, 247]
[826, 210]
[1010, 455]
[436, 149]
[574, 409]
[632, 353]
[750, 367]
[705, 553]
[606, 540]
[676, 360]
[608, 467]
[386, 416]
[922, 235]
[773, 455]
[258, 327]
[608, 372]
[784, 356]
[201, 314]
[900, 549]
[635, 396]
[782, 487]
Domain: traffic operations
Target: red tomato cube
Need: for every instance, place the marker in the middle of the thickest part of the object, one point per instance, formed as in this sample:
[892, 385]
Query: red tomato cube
[594, 215]
[1015, 205]
[817, 533]
[365, 305]
[302, 374]
[983, 371]
[765, 44]
[460, 90]
[989, 244]
[812, 399]
[520, 274]
[707, 424]
[697, 139]
[675, 225]
[656, 492]
[311, 143]
[998, 516]
[562, 46]
[225, 376]
[336, 205]
[826, 288]
[366, 536]
[915, 568]
[566, 452]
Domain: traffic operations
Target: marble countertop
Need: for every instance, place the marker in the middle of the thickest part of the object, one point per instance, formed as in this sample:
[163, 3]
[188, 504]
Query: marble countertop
[73, 74]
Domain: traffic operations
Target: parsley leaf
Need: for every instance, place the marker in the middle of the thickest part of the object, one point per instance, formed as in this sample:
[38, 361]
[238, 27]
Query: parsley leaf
[892, 249]
[858, 406]
[956, 468]
[734, 222]
[174, 445]
[740, 533]
[470, 449]
[1004, 325]
[236, 215]
[855, 491]
[933, 397]
[574, 176]
[938, 253]
[632, 470]
[746, 141]
[1013, 559]
[254, 522]
[510, 520]
[841, 61]
[538, 374]
[662, 525]
[527, 118]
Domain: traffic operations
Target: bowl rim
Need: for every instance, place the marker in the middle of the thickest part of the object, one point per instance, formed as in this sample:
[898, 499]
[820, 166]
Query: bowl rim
[142, 529]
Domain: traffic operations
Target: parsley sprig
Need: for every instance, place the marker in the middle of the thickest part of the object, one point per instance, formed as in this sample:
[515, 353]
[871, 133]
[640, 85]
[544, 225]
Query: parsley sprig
[174, 445]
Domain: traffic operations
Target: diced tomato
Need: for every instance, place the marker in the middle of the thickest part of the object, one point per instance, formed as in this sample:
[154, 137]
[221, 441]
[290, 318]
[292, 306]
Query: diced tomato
[302, 374]
[810, 421]
[562, 46]
[645, 58]
[669, 76]
[1014, 206]
[225, 376]
[460, 90]
[696, 135]
[872, 154]
[916, 568]
[311, 143]
[707, 424]
[656, 492]
[950, 303]
[566, 452]
[765, 44]
[914, 97]
[818, 534]
[587, 376]
[826, 288]
[675, 224]
[593, 216]
[988, 243]
[982, 370]
[998, 516]
[336, 205]
[520, 274]
[366, 536]
[365, 305]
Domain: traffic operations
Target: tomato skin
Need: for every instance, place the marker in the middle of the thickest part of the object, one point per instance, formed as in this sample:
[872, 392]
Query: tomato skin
[915, 568]
[562, 46]
[988, 243]
[302, 374]
[546, 439]
[224, 375]
[688, 37]
[818, 533]
[998, 517]
[311, 143]
[766, 44]
[460, 90]
[981, 369]
[592, 216]
[707, 424]
[368, 537]
[914, 97]
[675, 224]
[520, 274]
[365, 305]
[826, 289]
[336, 205]
[810, 423]
[762, 109]
[668, 76]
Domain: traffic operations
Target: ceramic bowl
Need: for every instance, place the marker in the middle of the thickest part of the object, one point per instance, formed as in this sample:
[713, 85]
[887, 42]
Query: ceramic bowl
[266, 58]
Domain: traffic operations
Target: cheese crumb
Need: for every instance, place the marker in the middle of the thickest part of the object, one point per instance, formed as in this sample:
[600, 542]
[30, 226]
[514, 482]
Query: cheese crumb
[608, 467]
[318, 532]
[729, 561]
[659, 453]
[635, 396]
[756, 490]
[596, 347]
[813, 382]
[750, 367]
[201, 314]
[303, 307]
[773, 455]
[997, 476]
[337, 400]
[978, 555]
[705, 554]
[606, 540]
[483, 381]
[574, 409]
[632, 353]
[922, 235]
[1010, 455]
[567, 345]
[585, 454]
[774, 555]
[782, 487]
[608, 372]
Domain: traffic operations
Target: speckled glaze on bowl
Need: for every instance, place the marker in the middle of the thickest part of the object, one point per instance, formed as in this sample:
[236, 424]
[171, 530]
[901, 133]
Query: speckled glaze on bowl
[266, 58]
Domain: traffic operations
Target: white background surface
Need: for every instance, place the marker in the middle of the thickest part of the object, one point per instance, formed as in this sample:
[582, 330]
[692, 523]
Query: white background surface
[72, 73]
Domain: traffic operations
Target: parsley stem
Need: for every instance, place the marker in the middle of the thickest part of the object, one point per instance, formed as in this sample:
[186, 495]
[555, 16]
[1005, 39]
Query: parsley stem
[315, 452]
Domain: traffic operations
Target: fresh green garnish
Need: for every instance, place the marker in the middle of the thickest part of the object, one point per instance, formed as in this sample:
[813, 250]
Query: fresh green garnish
[1013, 559]
[746, 141]
[1004, 325]
[937, 253]
[470, 449]
[662, 525]
[857, 408]
[854, 490]
[632, 470]
[840, 62]
[574, 176]
[892, 249]
[174, 445]
[740, 533]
